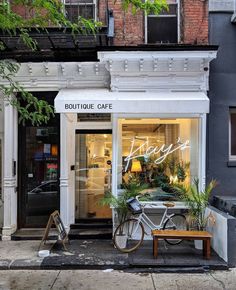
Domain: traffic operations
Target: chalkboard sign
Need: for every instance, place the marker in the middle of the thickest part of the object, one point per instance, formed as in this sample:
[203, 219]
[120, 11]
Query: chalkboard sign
[55, 219]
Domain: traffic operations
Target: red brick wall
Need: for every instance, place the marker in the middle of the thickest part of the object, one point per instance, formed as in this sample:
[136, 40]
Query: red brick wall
[194, 21]
[129, 28]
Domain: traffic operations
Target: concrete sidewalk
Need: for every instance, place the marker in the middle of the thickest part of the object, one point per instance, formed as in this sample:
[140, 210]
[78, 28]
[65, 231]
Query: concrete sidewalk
[101, 254]
[114, 280]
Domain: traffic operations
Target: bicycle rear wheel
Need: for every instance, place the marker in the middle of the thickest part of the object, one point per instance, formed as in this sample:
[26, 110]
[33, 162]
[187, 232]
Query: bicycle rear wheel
[175, 222]
[128, 235]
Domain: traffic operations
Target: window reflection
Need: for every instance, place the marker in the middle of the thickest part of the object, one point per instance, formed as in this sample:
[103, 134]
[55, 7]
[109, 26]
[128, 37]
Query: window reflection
[42, 173]
[160, 153]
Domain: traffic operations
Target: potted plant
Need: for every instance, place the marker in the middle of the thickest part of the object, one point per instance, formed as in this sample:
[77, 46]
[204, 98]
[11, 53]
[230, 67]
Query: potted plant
[197, 201]
[119, 203]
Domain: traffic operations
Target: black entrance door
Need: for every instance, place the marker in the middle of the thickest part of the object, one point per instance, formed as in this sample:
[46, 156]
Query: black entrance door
[38, 171]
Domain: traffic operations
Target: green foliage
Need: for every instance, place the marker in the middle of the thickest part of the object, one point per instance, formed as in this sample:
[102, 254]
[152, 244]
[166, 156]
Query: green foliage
[148, 6]
[181, 173]
[197, 200]
[43, 13]
[36, 111]
[133, 188]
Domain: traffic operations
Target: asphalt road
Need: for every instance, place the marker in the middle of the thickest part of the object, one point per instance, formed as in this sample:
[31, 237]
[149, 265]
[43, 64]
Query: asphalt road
[114, 280]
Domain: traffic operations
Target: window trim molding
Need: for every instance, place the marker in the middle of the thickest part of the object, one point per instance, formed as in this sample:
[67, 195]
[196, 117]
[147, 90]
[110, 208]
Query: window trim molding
[83, 3]
[178, 23]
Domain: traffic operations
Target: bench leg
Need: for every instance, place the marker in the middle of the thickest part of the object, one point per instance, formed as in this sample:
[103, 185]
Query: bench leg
[207, 248]
[155, 247]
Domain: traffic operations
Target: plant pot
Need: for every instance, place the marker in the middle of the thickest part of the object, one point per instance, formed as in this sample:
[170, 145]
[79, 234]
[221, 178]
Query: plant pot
[121, 241]
[198, 244]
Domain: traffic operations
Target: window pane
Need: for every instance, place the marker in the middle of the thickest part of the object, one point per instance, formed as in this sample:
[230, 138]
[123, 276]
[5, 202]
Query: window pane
[162, 29]
[233, 133]
[41, 173]
[75, 9]
[159, 154]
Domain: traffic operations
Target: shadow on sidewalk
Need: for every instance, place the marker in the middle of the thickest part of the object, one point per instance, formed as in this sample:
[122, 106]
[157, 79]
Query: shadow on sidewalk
[101, 254]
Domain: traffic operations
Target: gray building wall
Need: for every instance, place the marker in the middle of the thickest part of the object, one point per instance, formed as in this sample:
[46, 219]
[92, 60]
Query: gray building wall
[222, 95]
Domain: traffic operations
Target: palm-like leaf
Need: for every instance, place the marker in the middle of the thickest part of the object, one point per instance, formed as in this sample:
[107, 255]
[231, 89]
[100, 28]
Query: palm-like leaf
[197, 201]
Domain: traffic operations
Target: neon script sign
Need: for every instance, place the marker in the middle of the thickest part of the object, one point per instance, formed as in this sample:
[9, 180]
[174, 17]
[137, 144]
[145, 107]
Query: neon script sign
[162, 151]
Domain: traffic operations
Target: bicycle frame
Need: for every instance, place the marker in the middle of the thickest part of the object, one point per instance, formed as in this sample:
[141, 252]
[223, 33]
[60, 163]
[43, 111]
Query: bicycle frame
[143, 218]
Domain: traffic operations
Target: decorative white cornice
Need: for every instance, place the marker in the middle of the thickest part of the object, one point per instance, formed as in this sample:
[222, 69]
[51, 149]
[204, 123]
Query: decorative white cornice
[57, 75]
[158, 70]
[123, 71]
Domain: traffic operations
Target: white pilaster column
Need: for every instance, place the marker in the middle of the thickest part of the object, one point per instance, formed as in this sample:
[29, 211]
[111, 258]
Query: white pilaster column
[9, 177]
[66, 206]
[202, 155]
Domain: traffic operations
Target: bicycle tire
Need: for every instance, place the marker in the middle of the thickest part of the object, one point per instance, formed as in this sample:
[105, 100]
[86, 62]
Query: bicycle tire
[132, 242]
[175, 222]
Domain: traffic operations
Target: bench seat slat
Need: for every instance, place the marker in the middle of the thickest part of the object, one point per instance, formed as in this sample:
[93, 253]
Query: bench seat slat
[181, 234]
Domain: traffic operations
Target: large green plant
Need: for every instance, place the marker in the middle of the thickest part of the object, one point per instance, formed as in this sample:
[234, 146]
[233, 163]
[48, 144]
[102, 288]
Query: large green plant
[131, 189]
[197, 201]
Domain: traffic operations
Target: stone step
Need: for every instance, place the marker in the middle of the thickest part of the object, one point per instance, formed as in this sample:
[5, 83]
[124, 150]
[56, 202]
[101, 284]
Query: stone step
[83, 234]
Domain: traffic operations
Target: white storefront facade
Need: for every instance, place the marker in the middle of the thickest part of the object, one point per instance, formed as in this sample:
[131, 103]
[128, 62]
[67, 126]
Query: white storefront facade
[147, 107]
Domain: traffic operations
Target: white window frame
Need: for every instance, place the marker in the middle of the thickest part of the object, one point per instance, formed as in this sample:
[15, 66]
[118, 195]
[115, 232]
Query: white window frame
[116, 135]
[231, 157]
[178, 22]
[83, 3]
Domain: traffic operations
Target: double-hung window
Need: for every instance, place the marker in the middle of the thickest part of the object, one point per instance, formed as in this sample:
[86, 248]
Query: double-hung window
[163, 28]
[80, 8]
[232, 134]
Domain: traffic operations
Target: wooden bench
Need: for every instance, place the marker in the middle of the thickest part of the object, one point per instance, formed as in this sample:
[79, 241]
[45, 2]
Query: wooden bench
[183, 235]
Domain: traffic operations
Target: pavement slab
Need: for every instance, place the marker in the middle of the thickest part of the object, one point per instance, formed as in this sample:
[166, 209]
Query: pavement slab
[186, 281]
[27, 279]
[97, 280]
[114, 280]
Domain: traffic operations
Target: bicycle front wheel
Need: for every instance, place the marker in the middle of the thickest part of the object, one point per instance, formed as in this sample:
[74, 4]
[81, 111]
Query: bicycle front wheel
[175, 222]
[128, 235]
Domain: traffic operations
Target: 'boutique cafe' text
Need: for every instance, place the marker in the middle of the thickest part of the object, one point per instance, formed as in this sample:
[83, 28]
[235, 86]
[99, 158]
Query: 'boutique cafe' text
[88, 106]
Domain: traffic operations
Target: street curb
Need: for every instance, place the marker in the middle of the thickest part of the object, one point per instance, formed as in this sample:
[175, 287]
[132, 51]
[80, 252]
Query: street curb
[21, 264]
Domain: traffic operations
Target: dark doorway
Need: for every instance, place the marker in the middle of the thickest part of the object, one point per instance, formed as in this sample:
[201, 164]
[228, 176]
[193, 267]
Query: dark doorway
[38, 172]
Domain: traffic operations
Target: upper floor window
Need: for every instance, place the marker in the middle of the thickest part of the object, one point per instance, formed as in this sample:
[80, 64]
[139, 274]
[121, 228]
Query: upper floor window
[83, 8]
[163, 28]
[232, 134]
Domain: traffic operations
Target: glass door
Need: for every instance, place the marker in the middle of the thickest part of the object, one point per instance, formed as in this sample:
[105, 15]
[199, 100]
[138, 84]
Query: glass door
[92, 173]
[38, 174]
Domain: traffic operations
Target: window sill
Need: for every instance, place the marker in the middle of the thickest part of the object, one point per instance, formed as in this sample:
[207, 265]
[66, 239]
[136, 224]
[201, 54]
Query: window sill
[231, 163]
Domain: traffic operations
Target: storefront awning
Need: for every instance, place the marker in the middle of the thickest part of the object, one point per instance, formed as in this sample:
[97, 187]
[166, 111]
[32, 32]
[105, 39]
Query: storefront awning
[104, 101]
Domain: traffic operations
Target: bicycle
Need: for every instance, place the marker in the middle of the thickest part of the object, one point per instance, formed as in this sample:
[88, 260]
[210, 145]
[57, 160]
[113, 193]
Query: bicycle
[131, 231]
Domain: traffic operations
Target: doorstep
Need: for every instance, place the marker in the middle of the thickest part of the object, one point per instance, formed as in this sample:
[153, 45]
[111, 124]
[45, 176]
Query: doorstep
[100, 254]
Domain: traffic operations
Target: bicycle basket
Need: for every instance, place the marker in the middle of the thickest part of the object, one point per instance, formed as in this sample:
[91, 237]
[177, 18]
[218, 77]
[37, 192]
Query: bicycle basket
[134, 206]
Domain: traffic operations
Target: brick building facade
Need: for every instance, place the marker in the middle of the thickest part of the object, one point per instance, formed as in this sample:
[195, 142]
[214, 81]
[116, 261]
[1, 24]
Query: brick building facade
[130, 29]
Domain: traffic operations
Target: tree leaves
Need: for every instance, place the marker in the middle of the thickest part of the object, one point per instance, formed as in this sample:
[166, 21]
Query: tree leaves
[42, 14]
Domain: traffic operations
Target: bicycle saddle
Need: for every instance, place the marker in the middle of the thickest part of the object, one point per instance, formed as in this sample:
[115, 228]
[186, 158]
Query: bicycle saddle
[169, 204]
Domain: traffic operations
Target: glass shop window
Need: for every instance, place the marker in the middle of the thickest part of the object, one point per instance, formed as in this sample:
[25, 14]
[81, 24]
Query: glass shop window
[159, 154]
[232, 135]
